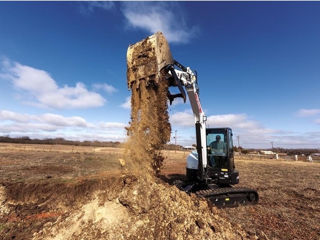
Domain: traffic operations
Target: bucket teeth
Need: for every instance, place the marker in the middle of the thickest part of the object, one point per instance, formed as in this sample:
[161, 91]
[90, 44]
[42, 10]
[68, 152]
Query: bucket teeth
[146, 59]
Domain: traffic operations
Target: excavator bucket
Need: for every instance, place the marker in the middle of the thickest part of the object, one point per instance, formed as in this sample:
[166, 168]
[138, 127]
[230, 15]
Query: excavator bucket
[146, 59]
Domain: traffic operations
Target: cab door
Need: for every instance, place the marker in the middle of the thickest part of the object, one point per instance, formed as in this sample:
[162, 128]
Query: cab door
[230, 150]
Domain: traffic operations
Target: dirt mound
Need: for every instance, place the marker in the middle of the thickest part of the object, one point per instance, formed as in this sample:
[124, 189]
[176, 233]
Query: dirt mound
[26, 207]
[141, 209]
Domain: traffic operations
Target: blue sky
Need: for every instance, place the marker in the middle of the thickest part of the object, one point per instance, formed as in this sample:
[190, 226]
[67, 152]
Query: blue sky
[63, 67]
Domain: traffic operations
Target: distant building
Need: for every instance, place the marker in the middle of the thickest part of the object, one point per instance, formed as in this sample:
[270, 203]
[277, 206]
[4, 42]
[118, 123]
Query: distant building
[189, 147]
[266, 152]
[282, 154]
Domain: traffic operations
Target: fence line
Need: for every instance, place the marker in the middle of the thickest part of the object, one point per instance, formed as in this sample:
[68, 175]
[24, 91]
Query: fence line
[277, 157]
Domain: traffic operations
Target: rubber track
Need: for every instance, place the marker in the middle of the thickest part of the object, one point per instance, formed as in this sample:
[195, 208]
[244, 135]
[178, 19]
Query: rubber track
[229, 192]
[222, 191]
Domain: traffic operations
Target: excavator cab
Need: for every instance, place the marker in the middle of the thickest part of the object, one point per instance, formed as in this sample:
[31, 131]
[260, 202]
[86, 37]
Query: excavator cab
[221, 168]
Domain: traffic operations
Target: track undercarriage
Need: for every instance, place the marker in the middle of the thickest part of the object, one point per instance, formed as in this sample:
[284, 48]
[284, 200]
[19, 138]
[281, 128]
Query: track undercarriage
[229, 196]
[221, 196]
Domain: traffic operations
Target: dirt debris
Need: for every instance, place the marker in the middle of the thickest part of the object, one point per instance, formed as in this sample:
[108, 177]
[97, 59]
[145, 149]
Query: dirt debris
[149, 128]
[3, 206]
[143, 209]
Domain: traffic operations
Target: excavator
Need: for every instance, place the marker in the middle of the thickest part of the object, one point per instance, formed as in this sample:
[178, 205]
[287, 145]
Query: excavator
[210, 171]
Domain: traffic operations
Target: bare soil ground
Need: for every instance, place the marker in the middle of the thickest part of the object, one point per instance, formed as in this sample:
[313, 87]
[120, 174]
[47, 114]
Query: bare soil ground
[50, 192]
[289, 205]
[289, 191]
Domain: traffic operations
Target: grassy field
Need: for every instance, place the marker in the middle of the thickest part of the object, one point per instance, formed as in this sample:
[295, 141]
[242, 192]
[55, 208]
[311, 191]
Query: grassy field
[289, 191]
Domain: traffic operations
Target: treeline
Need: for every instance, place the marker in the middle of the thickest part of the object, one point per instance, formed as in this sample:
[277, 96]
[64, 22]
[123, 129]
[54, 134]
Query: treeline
[297, 151]
[173, 147]
[56, 141]
[62, 141]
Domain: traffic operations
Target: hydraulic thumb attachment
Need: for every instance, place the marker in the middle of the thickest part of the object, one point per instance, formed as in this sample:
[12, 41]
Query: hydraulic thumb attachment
[175, 82]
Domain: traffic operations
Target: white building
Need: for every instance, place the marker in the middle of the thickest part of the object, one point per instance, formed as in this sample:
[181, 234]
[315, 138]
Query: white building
[266, 152]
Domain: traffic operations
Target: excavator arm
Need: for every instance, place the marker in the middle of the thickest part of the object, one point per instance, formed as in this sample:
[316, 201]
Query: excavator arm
[186, 79]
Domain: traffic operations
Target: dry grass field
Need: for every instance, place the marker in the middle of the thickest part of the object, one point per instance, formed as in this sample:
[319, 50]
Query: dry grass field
[289, 206]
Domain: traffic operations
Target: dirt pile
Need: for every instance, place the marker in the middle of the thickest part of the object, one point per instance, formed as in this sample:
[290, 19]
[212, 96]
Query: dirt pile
[140, 209]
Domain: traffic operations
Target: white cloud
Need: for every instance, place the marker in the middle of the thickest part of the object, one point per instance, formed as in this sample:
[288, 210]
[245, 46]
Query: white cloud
[184, 119]
[127, 103]
[105, 87]
[47, 118]
[111, 125]
[106, 5]
[308, 112]
[317, 121]
[235, 120]
[54, 125]
[298, 140]
[154, 17]
[12, 116]
[44, 91]
[61, 121]
[49, 125]
[252, 133]
[241, 121]
[90, 6]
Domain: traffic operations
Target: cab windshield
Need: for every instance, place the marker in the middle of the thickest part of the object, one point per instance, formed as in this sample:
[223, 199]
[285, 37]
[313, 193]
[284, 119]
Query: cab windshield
[216, 143]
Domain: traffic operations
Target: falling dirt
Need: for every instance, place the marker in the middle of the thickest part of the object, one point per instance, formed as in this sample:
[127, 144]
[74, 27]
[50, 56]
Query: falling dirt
[149, 128]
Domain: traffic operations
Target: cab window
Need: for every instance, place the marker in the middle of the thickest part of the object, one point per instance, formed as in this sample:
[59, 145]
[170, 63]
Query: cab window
[216, 142]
